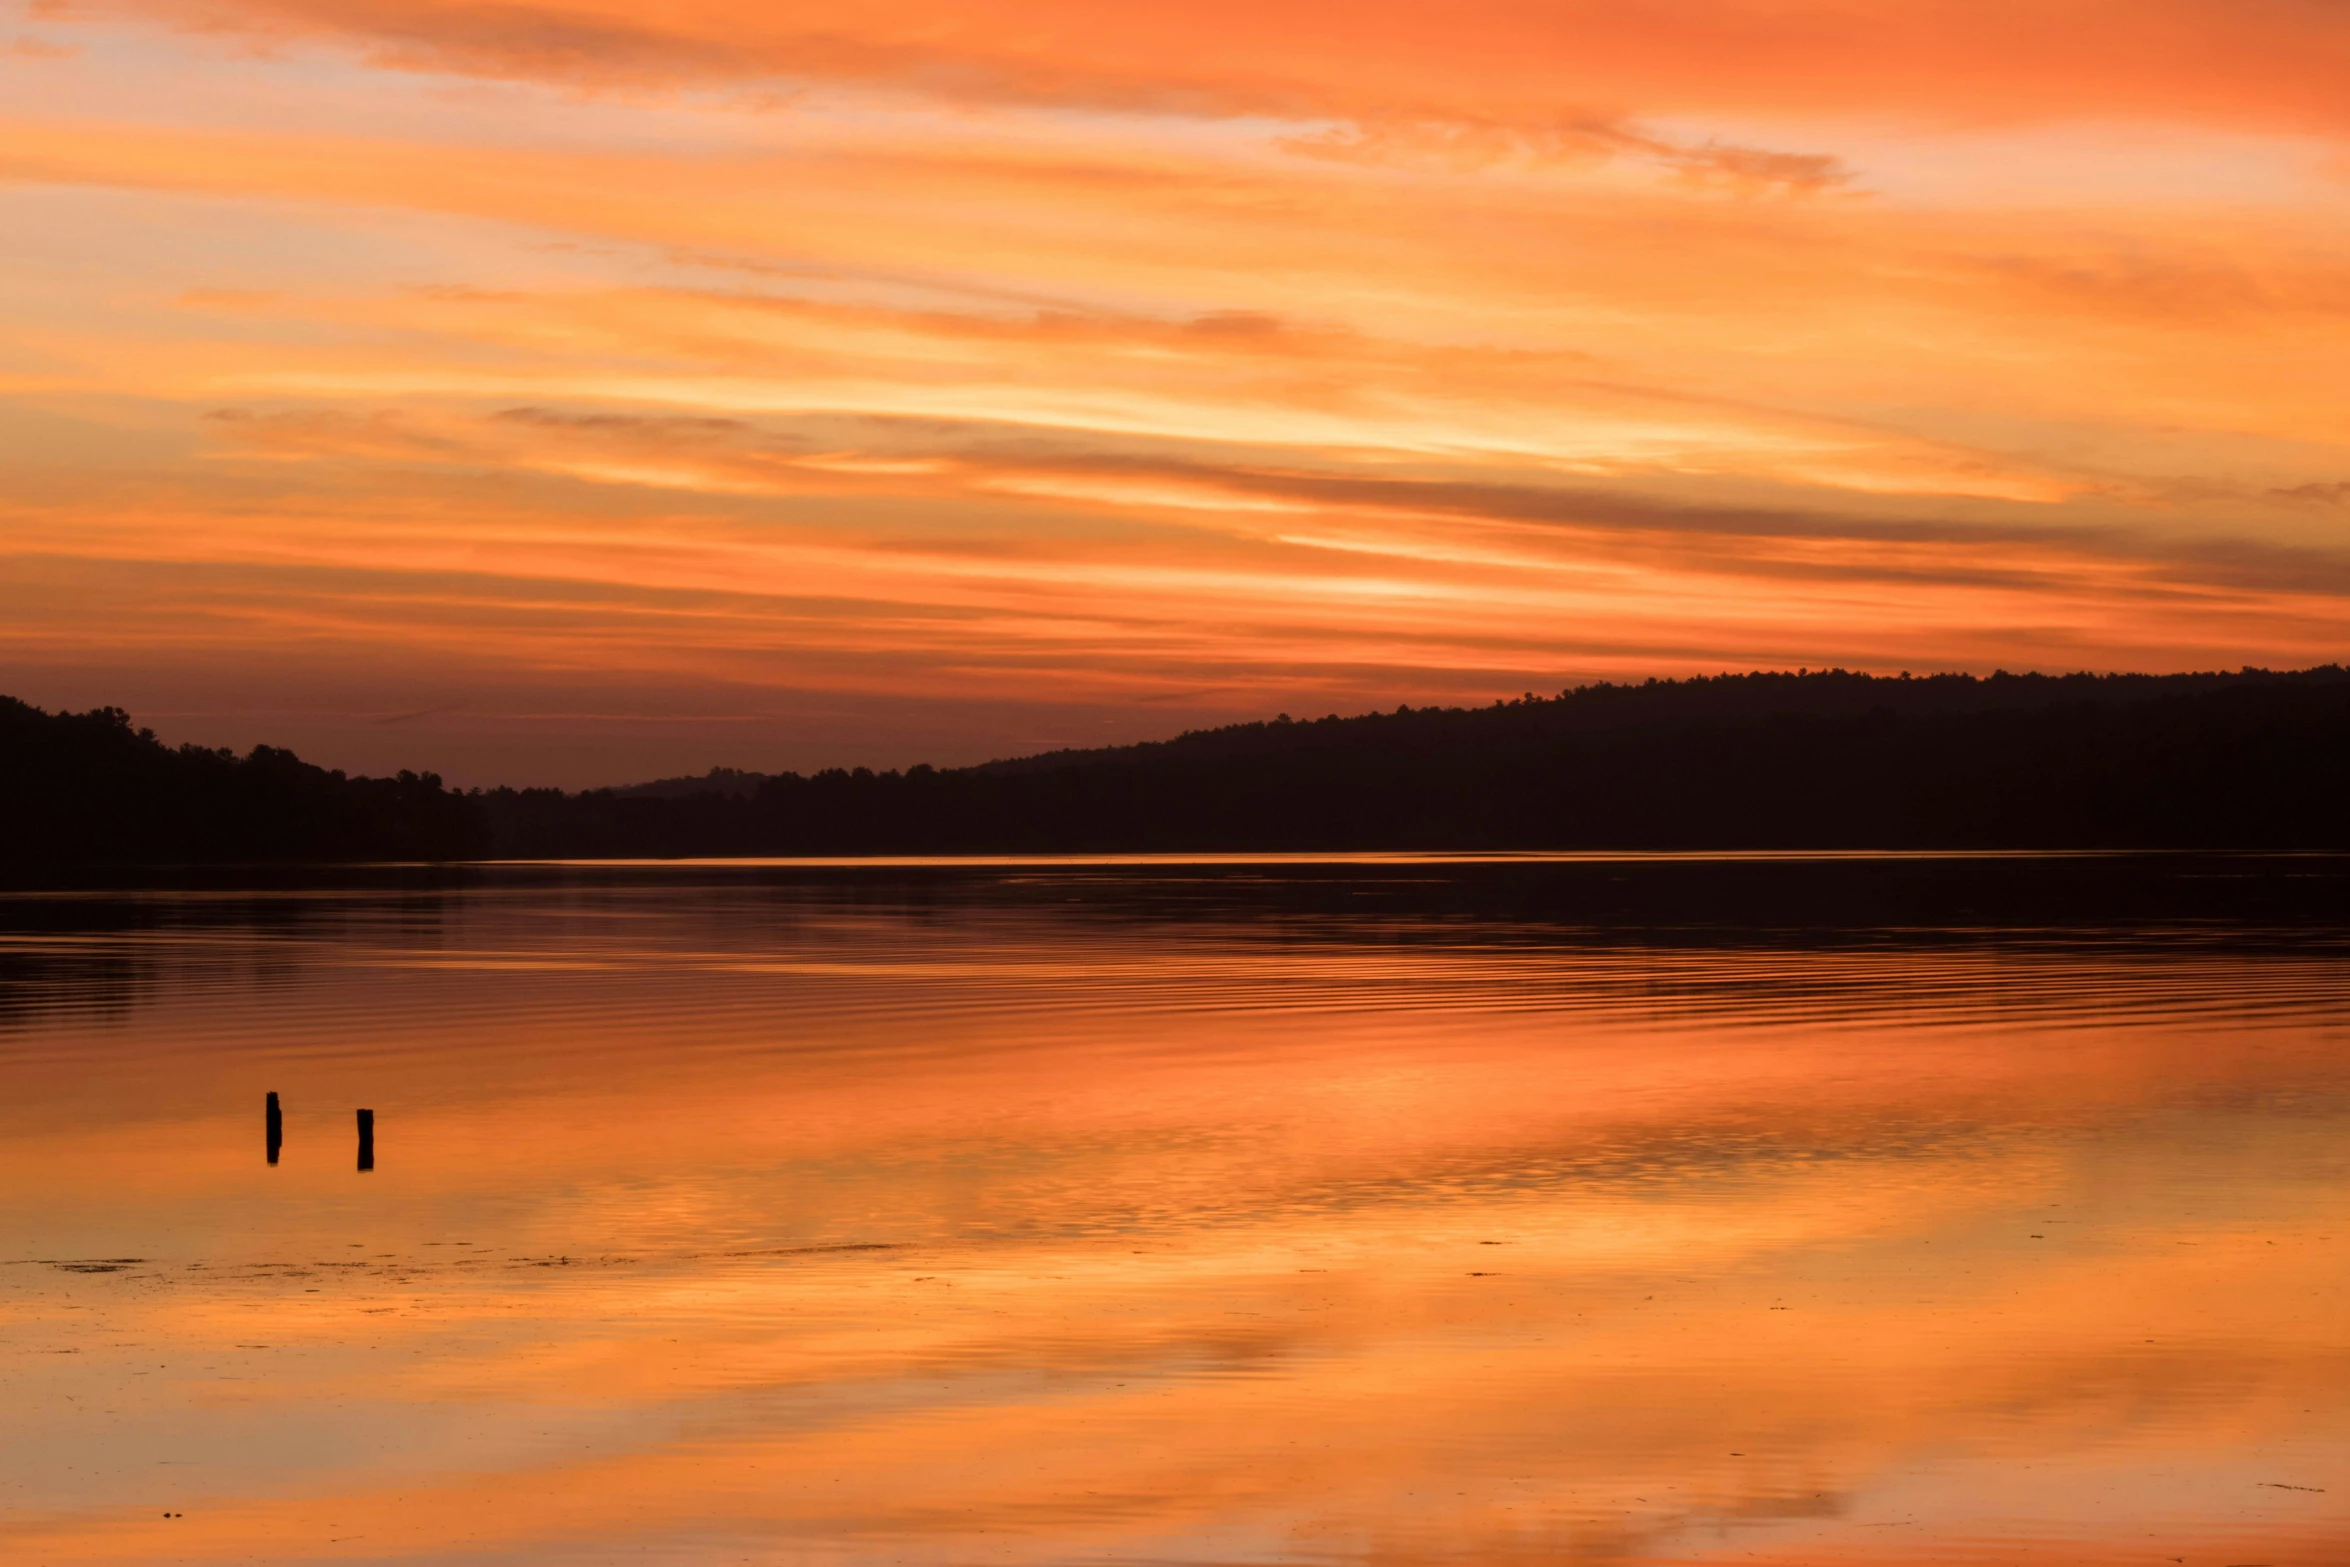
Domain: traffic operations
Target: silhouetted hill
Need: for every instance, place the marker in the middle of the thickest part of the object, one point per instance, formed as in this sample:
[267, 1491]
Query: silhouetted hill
[87, 787]
[1827, 760]
[718, 780]
[1704, 699]
[2253, 760]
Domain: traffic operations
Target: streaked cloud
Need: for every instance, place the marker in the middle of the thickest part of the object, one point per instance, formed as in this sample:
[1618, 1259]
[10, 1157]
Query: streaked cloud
[1029, 358]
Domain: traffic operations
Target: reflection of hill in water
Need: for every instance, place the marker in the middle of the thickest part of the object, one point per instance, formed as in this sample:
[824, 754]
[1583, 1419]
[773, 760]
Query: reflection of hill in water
[106, 945]
[1614, 1204]
[1826, 934]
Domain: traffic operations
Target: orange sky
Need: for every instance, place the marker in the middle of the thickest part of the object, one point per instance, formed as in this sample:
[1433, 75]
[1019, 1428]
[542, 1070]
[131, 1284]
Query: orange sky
[565, 391]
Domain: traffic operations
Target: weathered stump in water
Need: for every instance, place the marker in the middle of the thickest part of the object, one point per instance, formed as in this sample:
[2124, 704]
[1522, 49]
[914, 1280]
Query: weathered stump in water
[273, 1128]
[367, 1139]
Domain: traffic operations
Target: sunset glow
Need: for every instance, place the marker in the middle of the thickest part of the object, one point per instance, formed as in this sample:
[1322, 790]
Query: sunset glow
[737, 1220]
[564, 391]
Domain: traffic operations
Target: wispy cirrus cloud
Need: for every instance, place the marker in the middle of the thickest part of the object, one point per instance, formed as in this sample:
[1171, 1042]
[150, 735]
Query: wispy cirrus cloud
[2271, 61]
[1027, 357]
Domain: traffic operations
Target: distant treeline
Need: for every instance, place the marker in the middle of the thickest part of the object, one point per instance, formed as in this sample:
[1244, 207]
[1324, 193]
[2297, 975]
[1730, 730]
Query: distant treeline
[88, 787]
[2254, 760]
[1808, 760]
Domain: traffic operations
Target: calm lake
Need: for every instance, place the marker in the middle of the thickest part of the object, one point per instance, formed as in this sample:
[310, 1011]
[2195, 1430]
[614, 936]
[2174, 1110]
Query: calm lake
[1396, 1210]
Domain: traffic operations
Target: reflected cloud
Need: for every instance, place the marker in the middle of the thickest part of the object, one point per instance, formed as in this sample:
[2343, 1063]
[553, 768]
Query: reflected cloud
[1223, 1213]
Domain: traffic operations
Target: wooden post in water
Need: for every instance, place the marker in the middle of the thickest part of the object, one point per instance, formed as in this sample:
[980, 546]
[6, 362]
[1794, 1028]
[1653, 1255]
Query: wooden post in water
[273, 1128]
[367, 1139]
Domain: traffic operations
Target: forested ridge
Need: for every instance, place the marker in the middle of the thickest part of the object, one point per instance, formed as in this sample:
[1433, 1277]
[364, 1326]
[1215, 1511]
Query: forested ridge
[91, 787]
[1830, 759]
[1806, 760]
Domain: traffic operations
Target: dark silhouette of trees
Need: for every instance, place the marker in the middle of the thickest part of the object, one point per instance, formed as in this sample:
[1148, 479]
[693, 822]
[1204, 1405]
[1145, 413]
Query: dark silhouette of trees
[1807, 760]
[1827, 760]
[88, 787]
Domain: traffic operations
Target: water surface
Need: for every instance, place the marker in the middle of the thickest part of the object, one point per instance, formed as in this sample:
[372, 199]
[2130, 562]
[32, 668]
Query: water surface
[1618, 1211]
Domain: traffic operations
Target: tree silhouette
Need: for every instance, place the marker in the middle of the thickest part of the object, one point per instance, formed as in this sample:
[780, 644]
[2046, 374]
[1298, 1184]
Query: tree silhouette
[1825, 760]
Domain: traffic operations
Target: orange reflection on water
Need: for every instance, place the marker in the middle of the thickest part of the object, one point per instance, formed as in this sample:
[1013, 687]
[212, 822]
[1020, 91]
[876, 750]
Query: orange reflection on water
[737, 1223]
